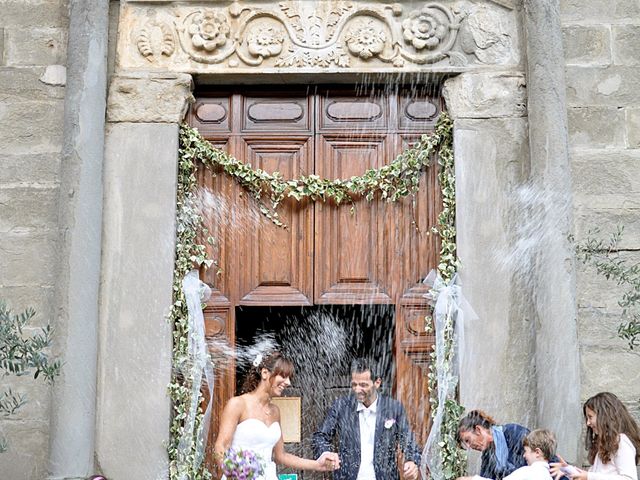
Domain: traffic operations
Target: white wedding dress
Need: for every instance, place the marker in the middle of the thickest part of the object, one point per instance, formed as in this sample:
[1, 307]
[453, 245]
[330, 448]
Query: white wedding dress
[253, 434]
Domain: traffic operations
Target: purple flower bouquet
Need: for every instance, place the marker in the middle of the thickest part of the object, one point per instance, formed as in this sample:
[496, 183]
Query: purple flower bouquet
[242, 465]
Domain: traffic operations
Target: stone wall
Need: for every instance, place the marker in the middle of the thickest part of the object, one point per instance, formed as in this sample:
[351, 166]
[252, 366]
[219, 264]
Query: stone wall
[601, 42]
[33, 41]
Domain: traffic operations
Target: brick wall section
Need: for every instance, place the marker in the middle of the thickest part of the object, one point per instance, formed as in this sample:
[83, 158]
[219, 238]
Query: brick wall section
[33, 39]
[601, 44]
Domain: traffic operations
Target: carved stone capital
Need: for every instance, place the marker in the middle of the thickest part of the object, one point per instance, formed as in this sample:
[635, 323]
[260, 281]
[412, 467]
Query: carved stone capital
[149, 97]
[329, 36]
[486, 94]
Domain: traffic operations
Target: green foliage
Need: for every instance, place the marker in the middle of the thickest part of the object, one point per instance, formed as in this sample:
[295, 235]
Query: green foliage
[21, 355]
[454, 460]
[391, 182]
[605, 257]
[189, 254]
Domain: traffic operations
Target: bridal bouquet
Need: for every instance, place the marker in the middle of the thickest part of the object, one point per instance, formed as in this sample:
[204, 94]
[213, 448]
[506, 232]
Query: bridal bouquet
[242, 465]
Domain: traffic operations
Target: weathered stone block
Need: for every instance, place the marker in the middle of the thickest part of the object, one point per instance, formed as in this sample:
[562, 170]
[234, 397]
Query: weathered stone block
[598, 327]
[595, 292]
[626, 44]
[36, 392]
[29, 13]
[1, 46]
[491, 155]
[607, 370]
[28, 450]
[38, 297]
[596, 127]
[134, 237]
[589, 45]
[632, 124]
[607, 221]
[601, 12]
[154, 98]
[31, 127]
[610, 86]
[23, 83]
[28, 210]
[486, 95]
[26, 168]
[114, 21]
[55, 75]
[35, 46]
[28, 259]
[606, 173]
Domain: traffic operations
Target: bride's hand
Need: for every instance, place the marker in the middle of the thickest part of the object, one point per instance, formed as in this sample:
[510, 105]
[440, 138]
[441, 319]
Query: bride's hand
[329, 461]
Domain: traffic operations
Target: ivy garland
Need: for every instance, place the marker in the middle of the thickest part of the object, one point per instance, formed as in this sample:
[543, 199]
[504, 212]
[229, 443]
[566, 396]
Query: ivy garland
[454, 459]
[391, 182]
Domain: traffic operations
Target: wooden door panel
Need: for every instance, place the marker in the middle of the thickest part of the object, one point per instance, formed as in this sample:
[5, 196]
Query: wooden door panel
[286, 113]
[352, 115]
[212, 114]
[413, 347]
[350, 264]
[417, 247]
[417, 113]
[219, 321]
[216, 196]
[277, 261]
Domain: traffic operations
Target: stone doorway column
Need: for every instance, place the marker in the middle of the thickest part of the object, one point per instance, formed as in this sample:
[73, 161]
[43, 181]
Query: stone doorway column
[140, 174]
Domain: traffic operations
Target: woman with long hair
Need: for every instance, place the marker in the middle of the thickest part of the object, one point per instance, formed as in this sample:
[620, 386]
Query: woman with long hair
[612, 442]
[501, 445]
[251, 421]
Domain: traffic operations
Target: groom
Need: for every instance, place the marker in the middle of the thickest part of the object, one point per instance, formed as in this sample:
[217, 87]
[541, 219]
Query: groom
[370, 428]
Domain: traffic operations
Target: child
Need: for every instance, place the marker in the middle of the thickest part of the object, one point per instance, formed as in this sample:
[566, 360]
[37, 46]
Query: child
[539, 447]
[612, 441]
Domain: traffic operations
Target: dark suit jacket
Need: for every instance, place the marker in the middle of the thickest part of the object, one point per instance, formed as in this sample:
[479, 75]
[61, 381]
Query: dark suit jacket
[342, 420]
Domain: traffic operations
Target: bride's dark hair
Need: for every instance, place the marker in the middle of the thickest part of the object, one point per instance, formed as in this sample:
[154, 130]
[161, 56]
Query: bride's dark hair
[275, 362]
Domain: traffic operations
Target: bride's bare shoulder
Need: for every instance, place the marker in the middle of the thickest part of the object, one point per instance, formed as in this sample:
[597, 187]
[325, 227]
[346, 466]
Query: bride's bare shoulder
[236, 404]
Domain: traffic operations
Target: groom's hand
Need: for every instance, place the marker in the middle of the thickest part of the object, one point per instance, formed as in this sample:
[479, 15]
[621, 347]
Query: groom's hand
[329, 461]
[410, 471]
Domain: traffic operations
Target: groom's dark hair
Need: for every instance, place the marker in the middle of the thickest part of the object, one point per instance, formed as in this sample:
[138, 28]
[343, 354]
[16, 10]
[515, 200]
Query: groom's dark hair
[361, 365]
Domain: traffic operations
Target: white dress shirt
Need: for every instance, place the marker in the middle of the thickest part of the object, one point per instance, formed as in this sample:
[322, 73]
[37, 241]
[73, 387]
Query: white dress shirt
[367, 419]
[535, 471]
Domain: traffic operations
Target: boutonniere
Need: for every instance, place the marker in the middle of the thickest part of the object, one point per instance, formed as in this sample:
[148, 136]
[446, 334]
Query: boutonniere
[388, 423]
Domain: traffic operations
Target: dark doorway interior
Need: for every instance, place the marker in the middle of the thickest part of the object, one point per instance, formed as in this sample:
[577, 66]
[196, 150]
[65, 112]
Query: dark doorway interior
[321, 341]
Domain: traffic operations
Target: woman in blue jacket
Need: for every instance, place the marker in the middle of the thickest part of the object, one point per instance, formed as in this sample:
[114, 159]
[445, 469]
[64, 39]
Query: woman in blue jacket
[501, 445]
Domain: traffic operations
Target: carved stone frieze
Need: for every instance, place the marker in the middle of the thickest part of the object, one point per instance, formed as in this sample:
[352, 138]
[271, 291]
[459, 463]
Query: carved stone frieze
[228, 36]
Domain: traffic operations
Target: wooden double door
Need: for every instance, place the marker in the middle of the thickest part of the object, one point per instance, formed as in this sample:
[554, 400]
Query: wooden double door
[375, 253]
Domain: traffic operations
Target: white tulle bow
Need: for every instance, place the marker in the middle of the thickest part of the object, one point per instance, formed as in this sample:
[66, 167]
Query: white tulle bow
[449, 309]
[200, 365]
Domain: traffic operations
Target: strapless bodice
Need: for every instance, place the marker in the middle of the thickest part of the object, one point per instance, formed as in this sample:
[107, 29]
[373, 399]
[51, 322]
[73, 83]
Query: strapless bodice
[255, 435]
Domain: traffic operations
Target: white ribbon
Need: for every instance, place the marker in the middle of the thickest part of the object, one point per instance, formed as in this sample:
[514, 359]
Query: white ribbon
[449, 307]
[195, 293]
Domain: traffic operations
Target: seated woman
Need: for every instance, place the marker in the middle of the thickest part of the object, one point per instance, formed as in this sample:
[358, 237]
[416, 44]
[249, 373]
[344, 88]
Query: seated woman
[252, 422]
[501, 445]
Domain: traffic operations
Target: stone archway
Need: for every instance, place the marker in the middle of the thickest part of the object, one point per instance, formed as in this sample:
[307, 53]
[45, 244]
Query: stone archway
[163, 46]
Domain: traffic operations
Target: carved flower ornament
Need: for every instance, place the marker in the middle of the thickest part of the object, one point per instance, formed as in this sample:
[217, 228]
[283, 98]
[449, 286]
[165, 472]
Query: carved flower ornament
[265, 41]
[423, 29]
[365, 39]
[209, 31]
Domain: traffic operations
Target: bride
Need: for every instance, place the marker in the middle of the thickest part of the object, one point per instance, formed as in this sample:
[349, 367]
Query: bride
[252, 422]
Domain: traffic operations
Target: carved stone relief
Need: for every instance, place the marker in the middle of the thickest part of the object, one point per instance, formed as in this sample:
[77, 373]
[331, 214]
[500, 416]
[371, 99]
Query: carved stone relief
[337, 35]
